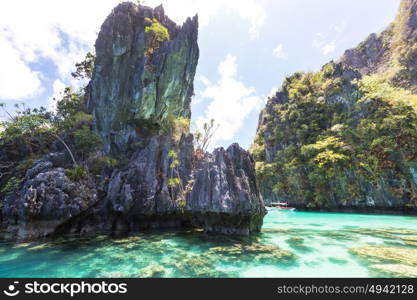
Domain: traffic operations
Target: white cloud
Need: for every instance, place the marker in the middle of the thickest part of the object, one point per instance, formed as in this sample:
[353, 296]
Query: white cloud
[60, 31]
[231, 102]
[251, 11]
[325, 47]
[329, 48]
[58, 88]
[340, 28]
[327, 43]
[17, 80]
[63, 31]
[279, 52]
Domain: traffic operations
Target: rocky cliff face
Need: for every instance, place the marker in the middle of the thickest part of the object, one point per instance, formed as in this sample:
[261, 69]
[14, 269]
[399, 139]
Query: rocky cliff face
[333, 139]
[223, 182]
[47, 199]
[391, 53]
[145, 66]
[140, 97]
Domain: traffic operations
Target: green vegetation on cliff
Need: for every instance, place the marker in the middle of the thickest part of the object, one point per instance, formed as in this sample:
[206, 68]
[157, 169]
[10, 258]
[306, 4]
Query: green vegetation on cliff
[156, 33]
[392, 53]
[29, 134]
[333, 138]
[346, 136]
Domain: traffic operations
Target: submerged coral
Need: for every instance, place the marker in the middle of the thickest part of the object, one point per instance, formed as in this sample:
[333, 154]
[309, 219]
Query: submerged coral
[258, 252]
[152, 271]
[387, 254]
[399, 270]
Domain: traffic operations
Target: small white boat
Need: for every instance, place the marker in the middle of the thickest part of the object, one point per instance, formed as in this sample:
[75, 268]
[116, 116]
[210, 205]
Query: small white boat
[282, 206]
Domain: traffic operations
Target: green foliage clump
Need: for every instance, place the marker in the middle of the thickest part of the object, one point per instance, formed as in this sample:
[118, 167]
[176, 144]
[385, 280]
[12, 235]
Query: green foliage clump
[258, 150]
[175, 126]
[171, 125]
[156, 34]
[327, 151]
[77, 173]
[174, 182]
[86, 140]
[71, 110]
[84, 69]
[377, 87]
[12, 184]
[158, 31]
[28, 134]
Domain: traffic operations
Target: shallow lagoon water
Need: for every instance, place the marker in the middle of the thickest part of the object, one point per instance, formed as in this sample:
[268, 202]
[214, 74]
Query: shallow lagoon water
[292, 244]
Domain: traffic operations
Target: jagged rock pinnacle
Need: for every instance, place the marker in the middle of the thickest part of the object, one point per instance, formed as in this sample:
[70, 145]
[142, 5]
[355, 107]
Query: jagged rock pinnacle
[144, 72]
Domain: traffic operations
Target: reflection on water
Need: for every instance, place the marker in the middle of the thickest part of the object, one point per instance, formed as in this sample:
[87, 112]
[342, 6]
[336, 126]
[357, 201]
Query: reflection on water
[292, 244]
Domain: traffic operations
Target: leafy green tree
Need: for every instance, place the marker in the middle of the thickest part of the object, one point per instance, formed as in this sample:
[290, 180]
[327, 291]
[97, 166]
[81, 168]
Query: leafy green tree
[84, 69]
[86, 140]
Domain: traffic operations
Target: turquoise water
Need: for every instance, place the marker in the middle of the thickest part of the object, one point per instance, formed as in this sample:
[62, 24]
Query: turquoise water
[292, 244]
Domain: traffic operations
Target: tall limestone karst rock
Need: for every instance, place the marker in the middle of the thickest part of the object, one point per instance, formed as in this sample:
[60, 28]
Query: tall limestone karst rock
[145, 66]
[346, 137]
[139, 97]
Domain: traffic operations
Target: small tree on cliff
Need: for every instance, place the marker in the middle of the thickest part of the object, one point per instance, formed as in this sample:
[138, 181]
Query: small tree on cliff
[202, 139]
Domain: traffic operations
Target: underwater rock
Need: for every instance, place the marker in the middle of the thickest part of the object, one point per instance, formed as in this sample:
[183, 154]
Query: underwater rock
[339, 235]
[386, 233]
[278, 230]
[115, 274]
[152, 271]
[239, 249]
[128, 240]
[197, 265]
[387, 254]
[295, 241]
[276, 257]
[259, 252]
[40, 247]
[410, 243]
[297, 244]
[398, 270]
[410, 240]
[337, 261]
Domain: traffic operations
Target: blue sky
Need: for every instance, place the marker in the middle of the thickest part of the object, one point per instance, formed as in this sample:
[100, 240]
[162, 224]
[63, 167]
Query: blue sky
[247, 48]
